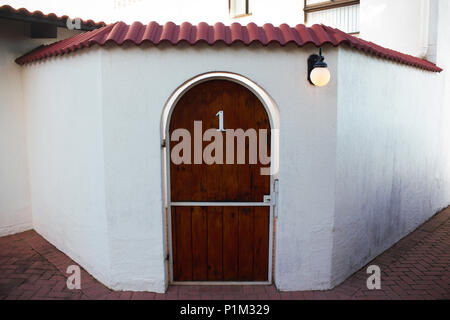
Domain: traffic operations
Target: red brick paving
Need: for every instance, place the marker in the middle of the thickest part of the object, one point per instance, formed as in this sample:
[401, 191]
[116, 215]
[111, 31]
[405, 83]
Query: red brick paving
[418, 267]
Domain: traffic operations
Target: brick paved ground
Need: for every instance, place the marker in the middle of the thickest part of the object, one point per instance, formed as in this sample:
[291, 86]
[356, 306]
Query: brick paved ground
[418, 267]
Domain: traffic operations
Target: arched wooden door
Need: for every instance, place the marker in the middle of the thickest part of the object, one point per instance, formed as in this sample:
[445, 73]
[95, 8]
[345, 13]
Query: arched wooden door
[219, 213]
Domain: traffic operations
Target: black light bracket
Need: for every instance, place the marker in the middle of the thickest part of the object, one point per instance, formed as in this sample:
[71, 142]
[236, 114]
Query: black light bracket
[315, 61]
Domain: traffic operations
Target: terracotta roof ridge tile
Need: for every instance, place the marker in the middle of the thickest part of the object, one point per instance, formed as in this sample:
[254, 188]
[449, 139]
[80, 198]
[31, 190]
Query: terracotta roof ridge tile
[154, 33]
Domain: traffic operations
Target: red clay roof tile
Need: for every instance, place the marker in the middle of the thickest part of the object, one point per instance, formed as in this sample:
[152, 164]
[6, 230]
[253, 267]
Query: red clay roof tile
[154, 33]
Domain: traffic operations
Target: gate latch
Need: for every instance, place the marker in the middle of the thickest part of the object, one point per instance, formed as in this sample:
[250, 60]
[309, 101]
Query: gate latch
[267, 199]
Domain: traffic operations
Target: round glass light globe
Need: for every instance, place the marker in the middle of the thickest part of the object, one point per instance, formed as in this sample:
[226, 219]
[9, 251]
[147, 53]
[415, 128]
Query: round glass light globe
[320, 76]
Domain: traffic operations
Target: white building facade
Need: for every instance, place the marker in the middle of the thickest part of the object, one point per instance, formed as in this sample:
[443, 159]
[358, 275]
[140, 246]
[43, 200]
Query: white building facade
[362, 161]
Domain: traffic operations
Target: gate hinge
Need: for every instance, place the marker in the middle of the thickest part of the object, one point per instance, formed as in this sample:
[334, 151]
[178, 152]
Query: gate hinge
[163, 143]
[167, 257]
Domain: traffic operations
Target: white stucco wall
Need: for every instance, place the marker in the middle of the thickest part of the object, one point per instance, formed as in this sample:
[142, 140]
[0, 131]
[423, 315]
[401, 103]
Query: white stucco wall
[132, 152]
[15, 204]
[95, 160]
[132, 111]
[65, 147]
[363, 161]
[15, 201]
[443, 60]
[392, 150]
[395, 173]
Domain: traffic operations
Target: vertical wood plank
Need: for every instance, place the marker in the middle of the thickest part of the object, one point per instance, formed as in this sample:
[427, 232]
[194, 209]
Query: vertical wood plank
[215, 242]
[261, 243]
[174, 230]
[199, 244]
[260, 184]
[230, 243]
[245, 244]
[183, 229]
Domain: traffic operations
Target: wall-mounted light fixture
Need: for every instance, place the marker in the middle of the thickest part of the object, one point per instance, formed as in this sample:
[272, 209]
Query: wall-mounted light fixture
[318, 73]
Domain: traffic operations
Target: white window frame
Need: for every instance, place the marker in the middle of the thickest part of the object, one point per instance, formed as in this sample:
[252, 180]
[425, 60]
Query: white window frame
[327, 5]
[245, 4]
